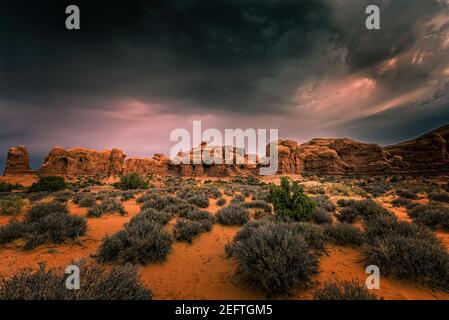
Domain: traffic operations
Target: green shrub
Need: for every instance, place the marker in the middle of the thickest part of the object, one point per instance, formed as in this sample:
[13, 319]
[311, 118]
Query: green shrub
[140, 242]
[50, 184]
[96, 283]
[343, 290]
[11, 206]
[274, 256]
[232, 215]
[8, 187]
[132, 181]
[289, 200]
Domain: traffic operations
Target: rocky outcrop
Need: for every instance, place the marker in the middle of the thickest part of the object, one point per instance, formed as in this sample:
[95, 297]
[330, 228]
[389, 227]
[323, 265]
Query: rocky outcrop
[82, 161]
[427, 154]
[17, 162]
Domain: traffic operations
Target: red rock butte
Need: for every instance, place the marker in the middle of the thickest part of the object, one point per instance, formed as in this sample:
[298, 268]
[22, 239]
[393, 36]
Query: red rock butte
[427, 154]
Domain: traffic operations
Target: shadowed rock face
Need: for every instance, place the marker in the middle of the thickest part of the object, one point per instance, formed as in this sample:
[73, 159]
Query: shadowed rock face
[424, 155]
[17, 161]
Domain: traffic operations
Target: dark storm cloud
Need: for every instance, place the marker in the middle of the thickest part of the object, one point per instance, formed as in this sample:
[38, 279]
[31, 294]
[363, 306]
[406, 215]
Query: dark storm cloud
[208, 54]
[137, 69]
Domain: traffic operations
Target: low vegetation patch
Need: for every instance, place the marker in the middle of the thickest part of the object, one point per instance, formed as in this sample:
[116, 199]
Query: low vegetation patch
[439, 196]
[364, 209]
[107, 206]
[344, 234]
[96, 283]
[45, 222]
[274, 256]
[11, 206]
[50, 184]
[432, 216]
[132, 181]
[343, 290]
[140, 242]
[232, 215]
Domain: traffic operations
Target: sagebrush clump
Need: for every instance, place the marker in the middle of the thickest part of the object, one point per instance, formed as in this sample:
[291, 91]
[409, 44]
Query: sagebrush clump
[343, 290]
[96, 283]
[274, 256]
[232, 215]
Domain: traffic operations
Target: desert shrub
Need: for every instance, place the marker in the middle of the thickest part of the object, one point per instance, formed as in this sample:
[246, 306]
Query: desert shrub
[439, 196]
[132, 181]
[407, 194]
[186, 230]
[139, 242]
[321, 216]
[50, 183]
[62, 196]
[432, 216]
[232, 215]
[107, 206]
[203, 217]
[96, 283]
[54, 228]
[43, 209]
[403, 202]
[385, 226]
[340, 189]
[289, 200]
[238, 198]
[412, 259]
[8, 187]
[312, 233]
[364, 209]
[11, 206]
[258, 204]
[323, 201]
[199, 201]
[343, 203]
[344, 234]
[275, 257]
[147, 196]
[161, 217]
[343, 290]
[376, 190]
[45, 222]
[126, 195]
[315, 190]
[12, 231]
[221, 202]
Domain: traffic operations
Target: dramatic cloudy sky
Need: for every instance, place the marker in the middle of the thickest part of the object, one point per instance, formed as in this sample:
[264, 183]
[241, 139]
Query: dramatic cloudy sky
[136, 70]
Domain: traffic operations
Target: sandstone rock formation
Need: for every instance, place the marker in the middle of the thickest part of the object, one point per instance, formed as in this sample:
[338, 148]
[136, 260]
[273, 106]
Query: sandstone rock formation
[17, 161]
[82, 161]
[427, 154]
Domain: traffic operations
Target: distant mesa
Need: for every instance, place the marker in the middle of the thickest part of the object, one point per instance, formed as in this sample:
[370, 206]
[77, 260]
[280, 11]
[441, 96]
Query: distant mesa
[427, 154]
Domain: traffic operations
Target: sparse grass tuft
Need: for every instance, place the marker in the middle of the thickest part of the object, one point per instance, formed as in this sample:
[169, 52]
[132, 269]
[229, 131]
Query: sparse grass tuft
[343, 290]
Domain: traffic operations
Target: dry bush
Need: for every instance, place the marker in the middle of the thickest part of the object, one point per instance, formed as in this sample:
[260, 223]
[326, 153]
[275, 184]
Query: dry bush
[321, 216]
[140, 242]
[108, 205]
[96, 283]
[343, 290]
[344, 234]
[221, 202]
[11, 206]
[432, 216]
[365, 209]
[232, 215]
[274, 256]
[323, 202]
